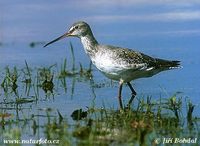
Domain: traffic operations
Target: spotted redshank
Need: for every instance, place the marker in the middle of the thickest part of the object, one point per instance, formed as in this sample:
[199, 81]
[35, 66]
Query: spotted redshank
[116, 63]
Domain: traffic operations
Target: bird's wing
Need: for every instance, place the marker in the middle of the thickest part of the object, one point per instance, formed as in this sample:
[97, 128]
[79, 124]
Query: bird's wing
[139, 61]
[127, 58]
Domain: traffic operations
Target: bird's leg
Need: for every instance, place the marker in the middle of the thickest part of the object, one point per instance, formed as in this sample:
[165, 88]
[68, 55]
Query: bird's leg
[120, 94]
[133, 94]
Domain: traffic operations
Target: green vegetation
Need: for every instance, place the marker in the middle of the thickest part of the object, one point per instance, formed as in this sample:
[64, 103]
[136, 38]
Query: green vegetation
[147, 122]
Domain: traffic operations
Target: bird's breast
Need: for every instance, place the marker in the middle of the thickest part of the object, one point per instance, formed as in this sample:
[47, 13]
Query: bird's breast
[106, 64]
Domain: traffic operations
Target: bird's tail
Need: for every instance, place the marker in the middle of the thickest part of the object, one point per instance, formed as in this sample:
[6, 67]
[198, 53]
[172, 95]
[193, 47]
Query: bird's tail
[168, 64]
[175, 64]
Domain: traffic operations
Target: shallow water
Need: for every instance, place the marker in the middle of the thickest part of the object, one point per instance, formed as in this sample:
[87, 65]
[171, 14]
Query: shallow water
[185, 79]
[159, 39]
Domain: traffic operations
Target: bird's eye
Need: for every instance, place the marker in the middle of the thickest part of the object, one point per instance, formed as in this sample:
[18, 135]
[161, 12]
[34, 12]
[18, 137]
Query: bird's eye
[76, 27]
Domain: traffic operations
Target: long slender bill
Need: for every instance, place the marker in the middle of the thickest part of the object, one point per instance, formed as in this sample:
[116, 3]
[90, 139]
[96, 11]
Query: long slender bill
[57, 39]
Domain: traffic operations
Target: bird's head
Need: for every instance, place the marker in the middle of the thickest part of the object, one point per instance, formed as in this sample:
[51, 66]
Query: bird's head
[78, 29]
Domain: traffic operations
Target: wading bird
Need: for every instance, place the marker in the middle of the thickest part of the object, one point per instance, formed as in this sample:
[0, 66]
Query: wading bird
[116, 63]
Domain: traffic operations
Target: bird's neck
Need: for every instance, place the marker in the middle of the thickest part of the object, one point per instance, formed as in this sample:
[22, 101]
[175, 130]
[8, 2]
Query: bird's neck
[90, 44]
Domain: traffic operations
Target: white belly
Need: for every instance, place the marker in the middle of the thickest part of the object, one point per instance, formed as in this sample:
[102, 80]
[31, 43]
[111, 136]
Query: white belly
[108, 66]
[115, 71]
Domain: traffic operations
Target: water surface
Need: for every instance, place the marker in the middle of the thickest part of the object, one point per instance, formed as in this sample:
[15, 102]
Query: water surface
[159, 30]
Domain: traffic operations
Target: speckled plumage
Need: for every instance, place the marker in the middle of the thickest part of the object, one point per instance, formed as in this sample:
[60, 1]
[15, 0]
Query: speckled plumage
[117, 63]
[122, 63]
